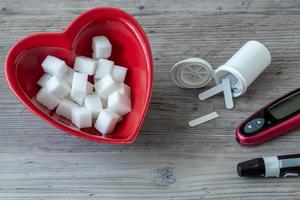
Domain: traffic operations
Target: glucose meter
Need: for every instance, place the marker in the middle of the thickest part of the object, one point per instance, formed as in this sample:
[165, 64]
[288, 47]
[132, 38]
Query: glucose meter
[277, 118]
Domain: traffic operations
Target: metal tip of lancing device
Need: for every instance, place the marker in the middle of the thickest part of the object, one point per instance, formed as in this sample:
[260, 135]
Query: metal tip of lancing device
[203, 119]
[227, 93]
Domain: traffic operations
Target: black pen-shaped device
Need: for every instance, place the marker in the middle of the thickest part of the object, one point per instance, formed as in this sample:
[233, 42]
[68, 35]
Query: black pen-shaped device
[274, 166]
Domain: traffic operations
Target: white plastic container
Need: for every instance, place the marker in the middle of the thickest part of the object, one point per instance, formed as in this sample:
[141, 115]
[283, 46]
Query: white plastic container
[245, 65]
[241, 69]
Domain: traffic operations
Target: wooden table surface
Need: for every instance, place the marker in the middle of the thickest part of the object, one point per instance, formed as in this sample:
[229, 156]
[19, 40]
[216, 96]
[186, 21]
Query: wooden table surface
[169, 160]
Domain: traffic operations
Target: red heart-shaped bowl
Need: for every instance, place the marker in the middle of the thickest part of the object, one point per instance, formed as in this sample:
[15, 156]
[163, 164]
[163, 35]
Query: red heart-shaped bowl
[130, 48]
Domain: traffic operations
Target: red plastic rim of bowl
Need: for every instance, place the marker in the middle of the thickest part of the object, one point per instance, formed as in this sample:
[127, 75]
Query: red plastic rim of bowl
[71, 31]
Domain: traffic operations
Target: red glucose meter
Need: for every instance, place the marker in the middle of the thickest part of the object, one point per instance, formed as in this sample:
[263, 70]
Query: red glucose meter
[275, 119]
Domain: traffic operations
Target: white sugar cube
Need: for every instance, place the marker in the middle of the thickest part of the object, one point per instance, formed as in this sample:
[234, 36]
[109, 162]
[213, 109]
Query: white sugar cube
[81, 117]
[47, 99]
[119, 73]
[79, 87]
[101, 47]
[69, 76]
[106, 86]
[64, 108]
[41, 82]
[85, 65]
[58, 87]
[106, 121]
[125, 90]
[89, 88]
[104, 67]
[119, 103]
[93, 103]
[54, 66]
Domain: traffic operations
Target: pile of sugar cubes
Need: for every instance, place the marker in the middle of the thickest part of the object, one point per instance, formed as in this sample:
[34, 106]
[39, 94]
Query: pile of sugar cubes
[68, 90]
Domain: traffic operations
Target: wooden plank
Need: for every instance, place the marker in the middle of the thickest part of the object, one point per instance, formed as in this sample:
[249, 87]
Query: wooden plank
[169, 160]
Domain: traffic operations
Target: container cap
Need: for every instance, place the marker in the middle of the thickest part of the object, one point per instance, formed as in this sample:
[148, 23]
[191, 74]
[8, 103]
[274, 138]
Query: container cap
[192, 73]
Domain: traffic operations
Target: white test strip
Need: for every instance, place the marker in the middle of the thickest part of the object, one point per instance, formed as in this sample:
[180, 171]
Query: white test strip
[224, 87]
[211, 92]
[227, 93]
[203, 119]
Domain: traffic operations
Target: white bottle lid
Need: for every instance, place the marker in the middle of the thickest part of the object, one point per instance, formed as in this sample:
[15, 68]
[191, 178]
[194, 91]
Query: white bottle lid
[192, 73]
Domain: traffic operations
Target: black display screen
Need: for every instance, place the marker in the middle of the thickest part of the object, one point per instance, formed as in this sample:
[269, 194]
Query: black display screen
[286, 106]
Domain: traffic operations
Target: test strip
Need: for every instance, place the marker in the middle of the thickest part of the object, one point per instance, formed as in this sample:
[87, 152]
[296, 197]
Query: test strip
[211, 92]
[227, 93]
[203, 119]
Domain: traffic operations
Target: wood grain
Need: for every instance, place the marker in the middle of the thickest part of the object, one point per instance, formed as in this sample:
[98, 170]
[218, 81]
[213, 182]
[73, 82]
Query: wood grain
[169, 160]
